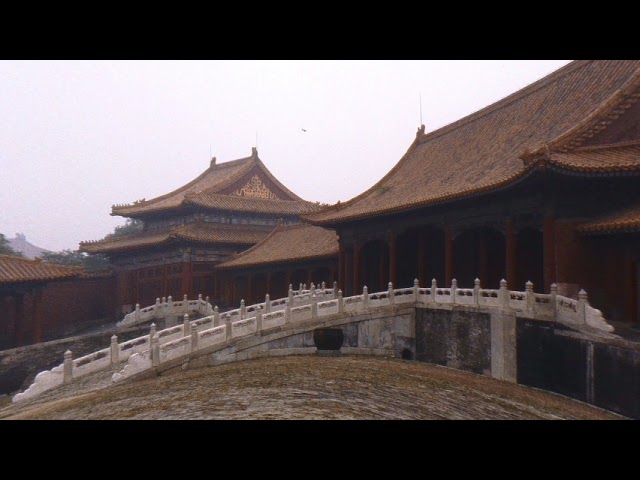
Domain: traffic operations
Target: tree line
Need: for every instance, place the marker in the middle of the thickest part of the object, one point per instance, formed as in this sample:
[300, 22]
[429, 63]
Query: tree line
[91, 261]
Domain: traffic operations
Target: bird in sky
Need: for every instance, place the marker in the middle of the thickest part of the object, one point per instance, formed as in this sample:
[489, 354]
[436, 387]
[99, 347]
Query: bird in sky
[303, 130]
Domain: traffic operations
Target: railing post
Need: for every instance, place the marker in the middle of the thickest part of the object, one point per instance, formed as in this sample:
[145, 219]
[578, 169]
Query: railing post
[583, 301]
[300, 289]
[324, 286]
[114, 350]
[185, 303]
[208, 307]
[312, 289]
[163, 308]
[267, 303]
[454, 287]
[68, 367]
[158, 307]
[227, 328]
[335, 289]
[258, 319]
[243, 310]
[200, 303]
[390, 294]
[186, 325]
[416, 286]
[216, 317]
[155, 351]
[314, 306]
[340, 302]
[290, 302]
[434, 290]
[476, 292]
[529, 296]
[553, 290]
[170, 310]
[137, 314]
[503, 294]
[304, 286]
[194, 339]
[152, 332]
[365, 297]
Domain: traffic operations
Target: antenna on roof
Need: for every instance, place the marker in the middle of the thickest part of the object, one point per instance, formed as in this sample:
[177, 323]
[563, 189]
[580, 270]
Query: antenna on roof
[420, 108]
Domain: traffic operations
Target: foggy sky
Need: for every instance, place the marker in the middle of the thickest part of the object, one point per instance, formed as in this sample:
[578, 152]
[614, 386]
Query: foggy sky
[79, 136]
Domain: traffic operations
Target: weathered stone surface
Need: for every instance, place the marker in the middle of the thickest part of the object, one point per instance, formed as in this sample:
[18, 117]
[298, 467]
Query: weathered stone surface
[454, 338]
[503, 347]
[616, 379]
[307, 387]
[19, 366]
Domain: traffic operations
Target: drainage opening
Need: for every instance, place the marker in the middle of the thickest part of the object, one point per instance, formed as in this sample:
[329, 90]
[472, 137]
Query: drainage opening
[406, 354]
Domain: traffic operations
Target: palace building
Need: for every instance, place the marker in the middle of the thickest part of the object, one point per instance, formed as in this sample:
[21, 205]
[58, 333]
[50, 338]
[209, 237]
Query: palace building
[230, 207]
[290, 255]
[541, 186]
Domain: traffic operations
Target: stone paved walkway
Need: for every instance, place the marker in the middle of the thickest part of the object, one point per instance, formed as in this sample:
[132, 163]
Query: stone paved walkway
[305, 387]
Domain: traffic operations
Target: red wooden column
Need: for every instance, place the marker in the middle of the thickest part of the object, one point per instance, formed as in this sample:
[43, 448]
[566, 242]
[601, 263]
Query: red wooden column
[19, 330]
[165, 282]
[422, 254]
[37, 315]
[137, 288]
[482, 259]
[356, 268]
[448, 255]
[233, 301]
[383, 270]
[249, 299]
[511, 253]
[549, 251]
[187, 279]
[269, 283]
[630, 288]
[393, 259]
[348, 272]
[341, 267]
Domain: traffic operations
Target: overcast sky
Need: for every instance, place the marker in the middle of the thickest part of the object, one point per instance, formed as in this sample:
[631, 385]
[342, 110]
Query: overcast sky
[79, 136]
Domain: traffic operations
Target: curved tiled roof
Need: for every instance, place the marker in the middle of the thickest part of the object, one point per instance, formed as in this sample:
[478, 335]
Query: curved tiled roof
[249, 204]
[600, 159]
[497, 145]
[287, 244]
[207, 188]
[196, 232]
[624, 220]
[22, 270]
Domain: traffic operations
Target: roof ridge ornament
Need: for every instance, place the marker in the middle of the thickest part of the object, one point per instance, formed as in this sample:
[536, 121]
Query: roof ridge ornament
[213, 162]
[254, 152]
[420, 130]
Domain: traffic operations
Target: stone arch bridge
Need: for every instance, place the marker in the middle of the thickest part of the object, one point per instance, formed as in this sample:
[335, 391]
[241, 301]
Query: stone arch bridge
[467, 328]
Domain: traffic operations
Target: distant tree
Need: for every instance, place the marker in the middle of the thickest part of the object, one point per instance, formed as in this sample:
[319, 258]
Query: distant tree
[5, 248]
[94, 261]
[130, 227]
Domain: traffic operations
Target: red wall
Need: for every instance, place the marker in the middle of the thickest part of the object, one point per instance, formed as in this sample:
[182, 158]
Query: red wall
[67, 308]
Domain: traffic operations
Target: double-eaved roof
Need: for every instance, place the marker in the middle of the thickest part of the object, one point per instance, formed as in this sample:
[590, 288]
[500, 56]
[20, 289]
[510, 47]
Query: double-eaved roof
[244, 185]
[290, 243]
[207, 233]
[236, 187]
[17, 270]
[570, 120]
